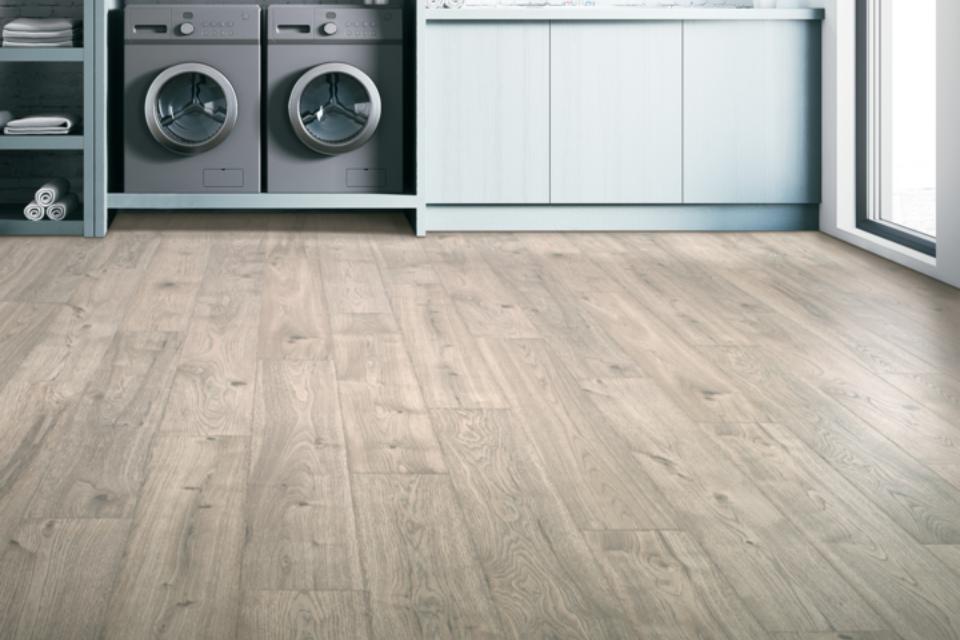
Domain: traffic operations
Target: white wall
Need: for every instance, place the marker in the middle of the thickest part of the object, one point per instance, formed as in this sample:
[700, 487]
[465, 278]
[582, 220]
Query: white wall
[838, 212]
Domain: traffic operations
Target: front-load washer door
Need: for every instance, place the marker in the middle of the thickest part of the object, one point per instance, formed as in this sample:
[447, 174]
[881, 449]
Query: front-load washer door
[190, 108]
[334, 108]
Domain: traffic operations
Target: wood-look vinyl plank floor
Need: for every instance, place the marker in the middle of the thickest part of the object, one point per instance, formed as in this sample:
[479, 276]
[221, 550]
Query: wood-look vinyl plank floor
[295, 426]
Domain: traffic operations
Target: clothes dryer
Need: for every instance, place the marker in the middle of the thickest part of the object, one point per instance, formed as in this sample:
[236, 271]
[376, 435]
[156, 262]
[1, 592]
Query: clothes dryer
[192, 98]
[334, 86]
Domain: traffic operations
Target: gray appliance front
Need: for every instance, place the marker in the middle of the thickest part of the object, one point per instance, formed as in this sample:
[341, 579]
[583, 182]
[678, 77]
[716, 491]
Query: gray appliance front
[351, 77]
[192, 99]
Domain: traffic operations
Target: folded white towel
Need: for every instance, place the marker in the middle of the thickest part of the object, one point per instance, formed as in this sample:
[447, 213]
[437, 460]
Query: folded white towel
[40, 125]
[51, 131]
[61, 209]
[52, 191]
[34, 25]
[5, 117]
[50, 44]
[33, 212]
[31, 36]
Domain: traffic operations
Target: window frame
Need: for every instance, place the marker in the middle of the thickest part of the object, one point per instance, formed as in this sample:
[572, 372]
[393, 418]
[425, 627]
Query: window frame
[869, 131]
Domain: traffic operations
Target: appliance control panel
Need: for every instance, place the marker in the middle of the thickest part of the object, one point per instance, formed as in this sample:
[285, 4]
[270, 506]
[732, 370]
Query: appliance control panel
[333, 23]
[184, 23]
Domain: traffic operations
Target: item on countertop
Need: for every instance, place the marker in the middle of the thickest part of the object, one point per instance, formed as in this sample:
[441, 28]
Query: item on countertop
[51, 125]
[5, 117]
[42, 32]
[453, 4]
[62, 209]
[33, 212]
[52, 191]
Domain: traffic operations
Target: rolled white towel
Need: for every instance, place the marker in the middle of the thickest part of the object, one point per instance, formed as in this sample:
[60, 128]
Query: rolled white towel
[33, 212]
[61, 209]
[52, 191]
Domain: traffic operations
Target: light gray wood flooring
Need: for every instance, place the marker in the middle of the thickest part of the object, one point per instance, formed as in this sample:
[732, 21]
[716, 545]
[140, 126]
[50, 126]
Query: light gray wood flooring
[317, 426]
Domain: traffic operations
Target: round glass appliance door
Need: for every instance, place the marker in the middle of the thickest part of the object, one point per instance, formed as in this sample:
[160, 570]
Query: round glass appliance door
[334, 108]
[191, 108]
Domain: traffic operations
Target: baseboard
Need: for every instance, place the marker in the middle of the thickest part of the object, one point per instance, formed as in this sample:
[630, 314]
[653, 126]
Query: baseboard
[619, 218]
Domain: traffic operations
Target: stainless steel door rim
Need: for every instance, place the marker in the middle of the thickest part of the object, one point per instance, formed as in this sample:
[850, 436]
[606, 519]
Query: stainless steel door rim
[155, 120]
[370, 120]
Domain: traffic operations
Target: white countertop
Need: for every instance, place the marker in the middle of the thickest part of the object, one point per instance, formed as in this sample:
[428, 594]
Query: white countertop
[618, 13]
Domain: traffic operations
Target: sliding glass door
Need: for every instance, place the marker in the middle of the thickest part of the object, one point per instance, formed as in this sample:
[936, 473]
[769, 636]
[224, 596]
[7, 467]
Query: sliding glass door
[897, 120]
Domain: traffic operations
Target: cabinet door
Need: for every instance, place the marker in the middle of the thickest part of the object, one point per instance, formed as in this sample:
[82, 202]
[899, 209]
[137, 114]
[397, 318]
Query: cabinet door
[616, 112]
[752, 112]
[487, 113]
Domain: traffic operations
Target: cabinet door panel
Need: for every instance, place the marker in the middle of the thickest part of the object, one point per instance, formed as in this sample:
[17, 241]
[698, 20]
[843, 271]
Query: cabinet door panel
[487, 113]
[616, 112]
[752, 112]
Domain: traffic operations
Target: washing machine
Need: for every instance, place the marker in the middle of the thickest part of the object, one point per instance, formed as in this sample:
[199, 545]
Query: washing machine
[334, 88]
[192, 98]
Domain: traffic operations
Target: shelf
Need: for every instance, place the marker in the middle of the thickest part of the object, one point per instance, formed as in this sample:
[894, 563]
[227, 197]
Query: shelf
[278, 201]
[554, 13]
[72, 142]
[12, 223]
[14, 54]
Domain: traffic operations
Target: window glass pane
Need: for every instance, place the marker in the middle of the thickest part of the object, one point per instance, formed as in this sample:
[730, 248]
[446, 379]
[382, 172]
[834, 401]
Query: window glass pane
[910, 124]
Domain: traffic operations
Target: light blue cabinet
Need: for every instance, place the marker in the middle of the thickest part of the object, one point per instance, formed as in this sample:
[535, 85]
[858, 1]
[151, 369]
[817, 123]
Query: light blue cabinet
[616, 112]
[752, 112]
[622, 112]
[488, 113]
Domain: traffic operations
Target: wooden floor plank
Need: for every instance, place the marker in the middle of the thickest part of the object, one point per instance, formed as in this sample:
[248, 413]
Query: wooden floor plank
[485, 304]
[57, 578]
[588, 462]
[765, 557]
[671, 587]
[180, 576]
[696, 385]
[913, 495]
[550, 298]
[294, 321]
[696, 302]
[839, 635]
[354, 289]
[423, 577]
[164, 300]
[303, 615]
[213, 390]
[938, 392]
[300, 532]
[445, 356]
[99, 456]
[21, 328]
[384, 416]
[902, 580]
[542, 577]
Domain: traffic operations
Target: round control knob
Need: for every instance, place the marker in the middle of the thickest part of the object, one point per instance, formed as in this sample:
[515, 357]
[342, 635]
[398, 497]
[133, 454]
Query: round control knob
[186, 29]
[329, 28]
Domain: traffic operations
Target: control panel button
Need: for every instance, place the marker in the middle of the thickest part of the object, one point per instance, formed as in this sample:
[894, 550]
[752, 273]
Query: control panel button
[329, 28]
[186, 29]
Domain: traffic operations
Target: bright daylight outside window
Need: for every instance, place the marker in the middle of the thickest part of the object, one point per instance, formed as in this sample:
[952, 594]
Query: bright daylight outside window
[897, 128]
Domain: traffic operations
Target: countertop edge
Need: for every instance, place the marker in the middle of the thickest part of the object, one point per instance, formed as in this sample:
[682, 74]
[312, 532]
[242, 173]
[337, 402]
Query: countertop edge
[625, 13]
